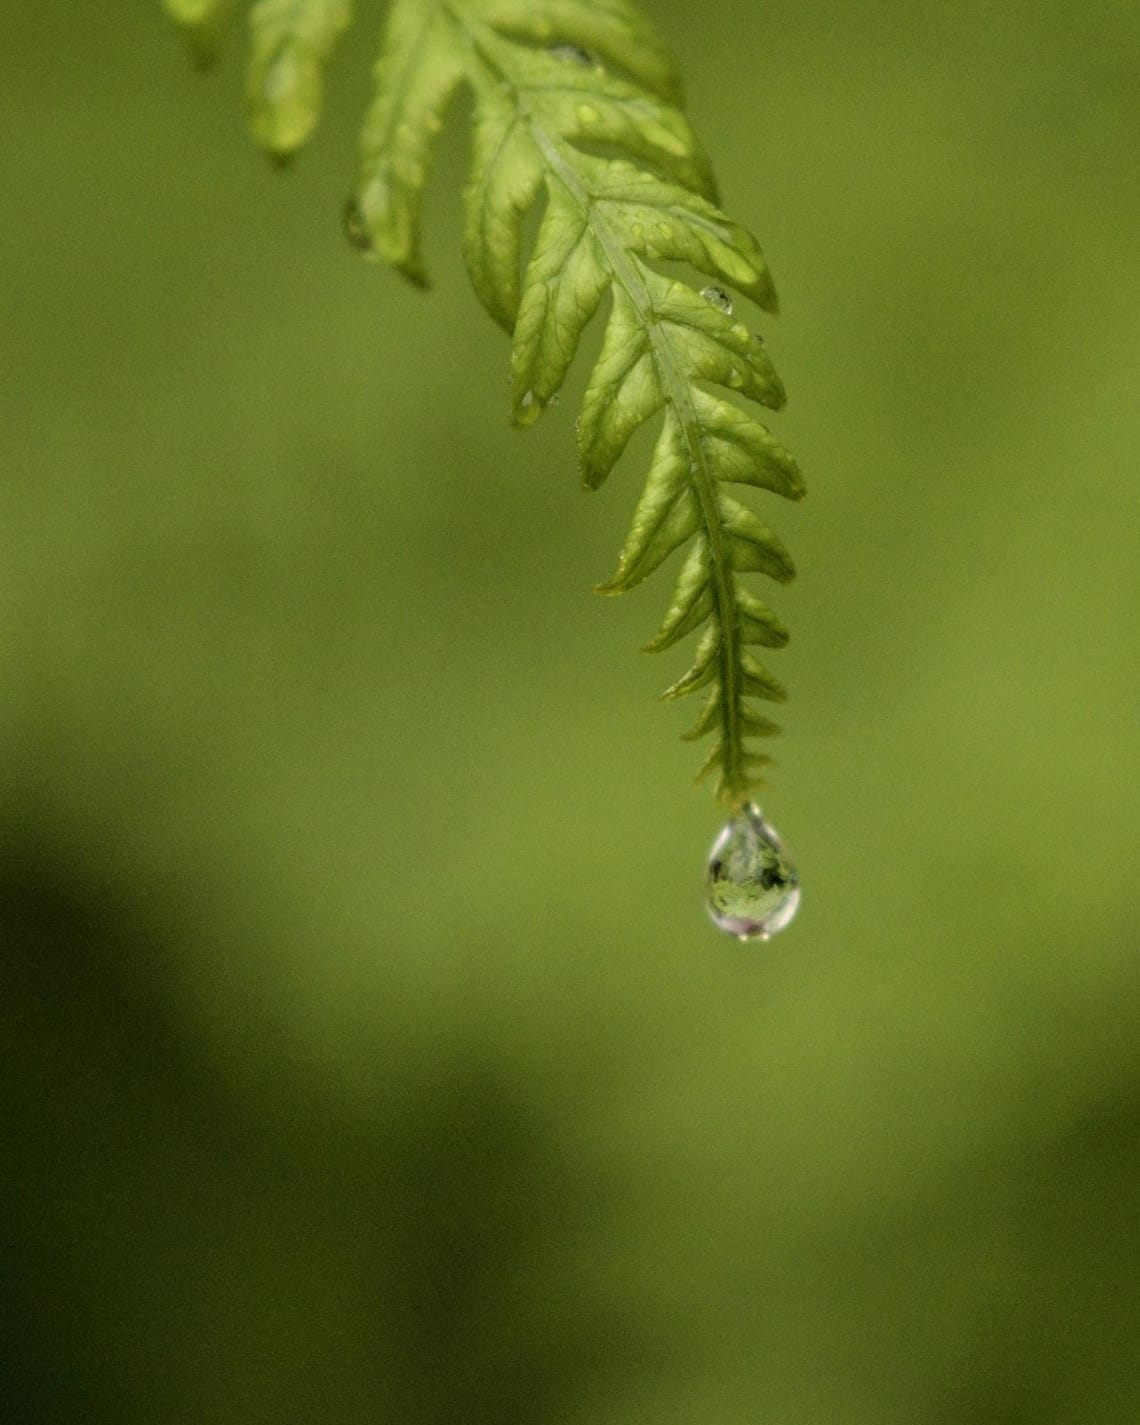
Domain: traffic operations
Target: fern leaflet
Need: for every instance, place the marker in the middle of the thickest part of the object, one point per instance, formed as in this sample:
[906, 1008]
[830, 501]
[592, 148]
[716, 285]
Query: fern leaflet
[204, 22]
[578, 107]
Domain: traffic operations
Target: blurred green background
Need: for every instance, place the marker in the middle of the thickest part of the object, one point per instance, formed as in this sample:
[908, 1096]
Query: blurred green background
[368, 1056]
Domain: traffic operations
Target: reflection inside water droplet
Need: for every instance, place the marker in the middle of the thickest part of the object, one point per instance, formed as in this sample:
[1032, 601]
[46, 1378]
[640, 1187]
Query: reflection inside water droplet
[717, 297]
[753, 889]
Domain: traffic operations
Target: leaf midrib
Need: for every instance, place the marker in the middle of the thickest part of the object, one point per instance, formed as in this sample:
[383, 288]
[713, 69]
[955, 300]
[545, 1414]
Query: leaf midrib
[558, 155]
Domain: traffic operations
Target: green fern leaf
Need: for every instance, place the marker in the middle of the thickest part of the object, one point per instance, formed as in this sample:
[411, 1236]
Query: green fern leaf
[577, 108]
[420, 68]
[291, 44]
[204, 21]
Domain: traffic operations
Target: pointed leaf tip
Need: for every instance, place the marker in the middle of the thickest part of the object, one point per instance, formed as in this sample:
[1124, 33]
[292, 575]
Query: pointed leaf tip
[291, 45]
[205, 23]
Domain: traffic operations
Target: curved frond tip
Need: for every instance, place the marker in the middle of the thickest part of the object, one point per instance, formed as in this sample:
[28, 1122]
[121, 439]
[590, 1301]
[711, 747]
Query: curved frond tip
[577, 107]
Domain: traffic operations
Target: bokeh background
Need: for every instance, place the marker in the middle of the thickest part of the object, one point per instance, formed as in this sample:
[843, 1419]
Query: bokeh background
[367, 1054]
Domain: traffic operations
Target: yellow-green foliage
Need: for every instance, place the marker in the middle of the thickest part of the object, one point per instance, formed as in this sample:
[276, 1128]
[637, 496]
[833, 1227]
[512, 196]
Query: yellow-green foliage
[578, 107]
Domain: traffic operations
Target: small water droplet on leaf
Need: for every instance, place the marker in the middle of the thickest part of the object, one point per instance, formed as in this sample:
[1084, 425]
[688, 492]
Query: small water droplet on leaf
[717, 297]
[552, 401]
[356, 227]
[573, 54]
[753, 889]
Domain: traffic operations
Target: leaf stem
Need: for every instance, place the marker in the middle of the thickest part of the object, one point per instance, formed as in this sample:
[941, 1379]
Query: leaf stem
[675, 385]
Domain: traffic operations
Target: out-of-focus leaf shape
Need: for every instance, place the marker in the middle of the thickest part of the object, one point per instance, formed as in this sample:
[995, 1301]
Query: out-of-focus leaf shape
[205, 23]
[291, 44]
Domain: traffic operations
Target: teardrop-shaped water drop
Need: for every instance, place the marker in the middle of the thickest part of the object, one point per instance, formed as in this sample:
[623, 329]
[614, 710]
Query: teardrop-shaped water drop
[717, 297]
[753, 889]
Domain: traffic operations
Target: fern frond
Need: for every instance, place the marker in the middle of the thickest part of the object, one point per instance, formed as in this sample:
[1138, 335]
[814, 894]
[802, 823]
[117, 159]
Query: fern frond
[578, 107]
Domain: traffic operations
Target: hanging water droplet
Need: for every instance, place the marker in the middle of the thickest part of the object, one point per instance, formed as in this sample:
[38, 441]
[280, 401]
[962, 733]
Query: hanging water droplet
[552, 401]
[355, 226]
[573, 54]
[717, 297]
[753, 889]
